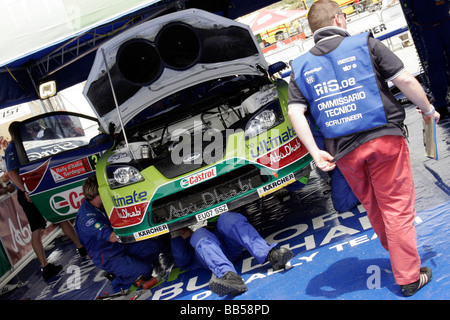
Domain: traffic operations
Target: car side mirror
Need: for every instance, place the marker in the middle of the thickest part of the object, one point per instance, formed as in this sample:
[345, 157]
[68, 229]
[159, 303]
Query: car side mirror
[277, 67]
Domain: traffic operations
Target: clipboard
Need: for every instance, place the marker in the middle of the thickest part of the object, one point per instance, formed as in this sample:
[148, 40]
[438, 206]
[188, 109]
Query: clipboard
[429, 139]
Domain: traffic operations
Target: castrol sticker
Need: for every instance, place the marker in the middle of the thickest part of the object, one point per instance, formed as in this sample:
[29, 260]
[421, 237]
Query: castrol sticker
[67, 202]
[198, 177]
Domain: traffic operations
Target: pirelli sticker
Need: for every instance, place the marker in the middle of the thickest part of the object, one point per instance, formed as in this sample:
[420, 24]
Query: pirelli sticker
[276, 185]
[152, 232]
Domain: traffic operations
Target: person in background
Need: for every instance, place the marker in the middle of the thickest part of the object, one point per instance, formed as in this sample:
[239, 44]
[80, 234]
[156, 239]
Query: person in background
[342, 81]
[5, 185]
[35, 218]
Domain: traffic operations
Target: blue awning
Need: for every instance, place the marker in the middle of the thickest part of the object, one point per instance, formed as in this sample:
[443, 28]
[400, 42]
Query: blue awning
[56, 40]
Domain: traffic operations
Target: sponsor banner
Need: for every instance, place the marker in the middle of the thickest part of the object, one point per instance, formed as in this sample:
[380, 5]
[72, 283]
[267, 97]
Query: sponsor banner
[7, 115]
[15, 230]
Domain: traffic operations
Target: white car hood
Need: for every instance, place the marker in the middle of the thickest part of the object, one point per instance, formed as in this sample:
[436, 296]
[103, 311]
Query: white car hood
[170, 79]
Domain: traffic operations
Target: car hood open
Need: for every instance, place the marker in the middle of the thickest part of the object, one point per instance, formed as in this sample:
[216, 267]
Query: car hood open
[165, 55]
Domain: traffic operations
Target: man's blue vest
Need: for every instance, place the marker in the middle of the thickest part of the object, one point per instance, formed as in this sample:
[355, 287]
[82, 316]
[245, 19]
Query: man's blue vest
[341, 88]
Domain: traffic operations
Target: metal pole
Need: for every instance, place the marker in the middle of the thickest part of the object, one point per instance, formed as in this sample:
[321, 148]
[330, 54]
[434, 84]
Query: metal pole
[117, 105]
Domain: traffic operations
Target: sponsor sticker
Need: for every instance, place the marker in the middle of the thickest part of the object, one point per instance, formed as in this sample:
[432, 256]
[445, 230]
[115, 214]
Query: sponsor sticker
[73, 169]
[198, 177]
[276, 185]
[67, 202]
[122, 217]
[152, 232]
[211, 213]
[286, 154]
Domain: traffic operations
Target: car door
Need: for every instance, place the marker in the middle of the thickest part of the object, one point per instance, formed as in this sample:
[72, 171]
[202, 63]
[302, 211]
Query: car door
[57, 152]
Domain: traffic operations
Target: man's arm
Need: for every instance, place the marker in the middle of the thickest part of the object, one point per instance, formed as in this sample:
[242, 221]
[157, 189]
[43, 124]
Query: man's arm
[15, 178]
[412, 89]
[323, 159]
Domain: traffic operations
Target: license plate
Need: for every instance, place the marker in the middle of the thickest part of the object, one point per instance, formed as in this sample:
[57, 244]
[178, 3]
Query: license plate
[211, 213]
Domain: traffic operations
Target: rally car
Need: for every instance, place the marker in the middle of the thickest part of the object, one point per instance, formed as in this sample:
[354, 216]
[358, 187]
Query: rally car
[57, 151]
[200, 121]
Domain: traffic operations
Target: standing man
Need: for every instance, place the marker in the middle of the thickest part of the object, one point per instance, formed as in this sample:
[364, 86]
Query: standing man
[35, 218]
[342, 82]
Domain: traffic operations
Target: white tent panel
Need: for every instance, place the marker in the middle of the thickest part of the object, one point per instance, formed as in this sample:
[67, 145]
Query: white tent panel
[27, 26]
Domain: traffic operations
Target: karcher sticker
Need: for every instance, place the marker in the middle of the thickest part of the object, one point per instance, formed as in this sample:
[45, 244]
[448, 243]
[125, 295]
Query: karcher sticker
[276, 185]
[152, 232]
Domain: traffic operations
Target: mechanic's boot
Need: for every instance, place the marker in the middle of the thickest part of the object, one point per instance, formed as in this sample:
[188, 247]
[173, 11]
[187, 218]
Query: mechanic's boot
[82, 252]
[145, 282]
[231, 283]
[279, 257]
[425, 277]
[108, 275]
[50, 270]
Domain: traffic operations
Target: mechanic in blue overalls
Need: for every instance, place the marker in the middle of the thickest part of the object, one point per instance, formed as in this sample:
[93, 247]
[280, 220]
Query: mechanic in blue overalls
[342, 196]
[217, 250]
[126, 264]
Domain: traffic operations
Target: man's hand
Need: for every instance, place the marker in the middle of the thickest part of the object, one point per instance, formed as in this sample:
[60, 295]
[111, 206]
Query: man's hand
[185, 233]
[435, 115]
[28, 197]
[323, 160]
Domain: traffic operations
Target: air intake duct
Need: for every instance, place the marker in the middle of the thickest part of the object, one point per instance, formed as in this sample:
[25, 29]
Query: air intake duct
[139, 62]
[177, 46]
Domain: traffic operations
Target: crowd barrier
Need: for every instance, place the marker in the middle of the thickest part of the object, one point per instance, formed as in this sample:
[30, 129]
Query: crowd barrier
[384, 24]
[15, 238]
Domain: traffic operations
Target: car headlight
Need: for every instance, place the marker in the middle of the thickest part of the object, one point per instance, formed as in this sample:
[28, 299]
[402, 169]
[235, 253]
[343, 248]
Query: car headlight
[269, 117]
[122, 175]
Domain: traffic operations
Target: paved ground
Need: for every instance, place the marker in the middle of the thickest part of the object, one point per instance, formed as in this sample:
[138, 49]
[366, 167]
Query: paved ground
[335, 256]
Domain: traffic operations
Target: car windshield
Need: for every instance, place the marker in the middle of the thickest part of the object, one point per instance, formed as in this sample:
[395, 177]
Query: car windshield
[47, 136]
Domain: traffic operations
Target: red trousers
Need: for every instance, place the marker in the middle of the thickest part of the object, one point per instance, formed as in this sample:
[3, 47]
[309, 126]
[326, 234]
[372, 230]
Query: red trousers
[379, 173]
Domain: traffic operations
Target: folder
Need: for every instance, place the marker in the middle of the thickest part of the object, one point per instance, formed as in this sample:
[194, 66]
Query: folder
[429, 139]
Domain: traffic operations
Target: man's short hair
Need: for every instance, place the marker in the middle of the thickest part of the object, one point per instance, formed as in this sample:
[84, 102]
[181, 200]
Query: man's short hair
[12, 127]
[321, 14]
[90, 188]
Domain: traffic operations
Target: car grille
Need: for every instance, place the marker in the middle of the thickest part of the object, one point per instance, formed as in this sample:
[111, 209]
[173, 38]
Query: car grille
[207, 194]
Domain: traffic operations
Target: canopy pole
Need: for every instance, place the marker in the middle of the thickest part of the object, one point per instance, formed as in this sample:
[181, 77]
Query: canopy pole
[117, 105]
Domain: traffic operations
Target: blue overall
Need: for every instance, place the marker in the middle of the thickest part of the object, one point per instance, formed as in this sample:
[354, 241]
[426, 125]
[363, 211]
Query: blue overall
[342, 194]
[217, 251]
[341, 88]
[126, 261]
